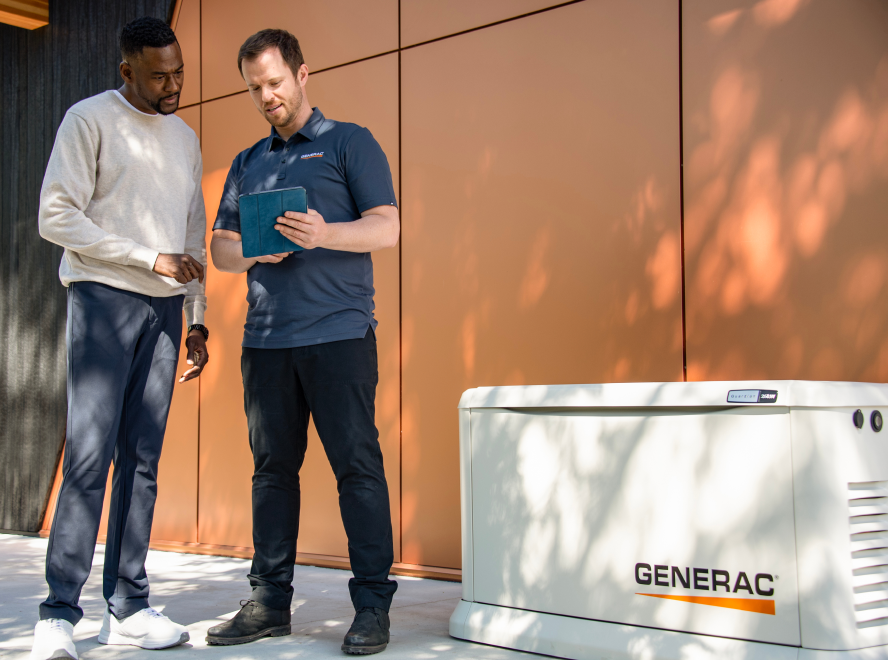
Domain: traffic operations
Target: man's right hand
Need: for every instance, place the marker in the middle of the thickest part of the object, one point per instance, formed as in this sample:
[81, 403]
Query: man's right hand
[181, 267]
[273, 258]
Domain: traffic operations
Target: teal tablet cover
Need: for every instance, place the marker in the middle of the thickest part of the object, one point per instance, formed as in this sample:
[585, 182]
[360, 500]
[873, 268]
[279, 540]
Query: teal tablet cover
[258, 216]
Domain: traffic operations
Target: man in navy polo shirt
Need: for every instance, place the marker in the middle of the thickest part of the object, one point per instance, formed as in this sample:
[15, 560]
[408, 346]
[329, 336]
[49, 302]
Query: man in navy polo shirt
[309, 344]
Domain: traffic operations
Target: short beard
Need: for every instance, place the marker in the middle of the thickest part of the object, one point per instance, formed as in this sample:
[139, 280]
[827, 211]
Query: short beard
[159, 109]
[291, 116]
[155, 104]
[285, 121]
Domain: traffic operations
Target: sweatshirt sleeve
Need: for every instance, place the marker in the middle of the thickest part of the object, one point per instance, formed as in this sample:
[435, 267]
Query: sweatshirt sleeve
[196, 246]
[68, 187]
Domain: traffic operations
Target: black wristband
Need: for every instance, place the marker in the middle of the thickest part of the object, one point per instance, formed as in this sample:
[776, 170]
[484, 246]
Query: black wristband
[202, 328]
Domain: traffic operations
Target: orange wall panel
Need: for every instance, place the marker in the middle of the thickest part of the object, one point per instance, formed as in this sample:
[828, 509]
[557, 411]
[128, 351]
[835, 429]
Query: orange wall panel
[175, 514]
[188, 34]
[423, 20]
[541, 225]
[226, 465]
[786, 186]
[330, 32]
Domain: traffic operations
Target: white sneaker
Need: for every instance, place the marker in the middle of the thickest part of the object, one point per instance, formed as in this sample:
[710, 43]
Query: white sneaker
[53, 639]
[147, 628]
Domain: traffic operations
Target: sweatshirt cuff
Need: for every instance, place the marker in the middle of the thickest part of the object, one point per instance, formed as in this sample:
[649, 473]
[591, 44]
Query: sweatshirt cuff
[143, 257]
[194, 312]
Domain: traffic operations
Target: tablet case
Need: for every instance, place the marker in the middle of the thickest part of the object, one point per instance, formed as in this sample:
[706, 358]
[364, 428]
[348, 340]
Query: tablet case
[258, 216]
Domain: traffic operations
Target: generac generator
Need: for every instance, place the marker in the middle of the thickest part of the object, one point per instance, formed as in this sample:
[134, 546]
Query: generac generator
[676, 521]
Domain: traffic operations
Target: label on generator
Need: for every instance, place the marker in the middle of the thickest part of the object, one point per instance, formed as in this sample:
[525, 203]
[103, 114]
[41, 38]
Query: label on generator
[752, 396]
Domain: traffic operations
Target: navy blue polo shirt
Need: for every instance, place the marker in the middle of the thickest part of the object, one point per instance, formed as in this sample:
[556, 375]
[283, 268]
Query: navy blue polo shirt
[313, 296]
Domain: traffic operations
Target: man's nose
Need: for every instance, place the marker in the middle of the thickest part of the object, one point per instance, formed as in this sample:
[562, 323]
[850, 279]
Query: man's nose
[171, 84]
[267, 95]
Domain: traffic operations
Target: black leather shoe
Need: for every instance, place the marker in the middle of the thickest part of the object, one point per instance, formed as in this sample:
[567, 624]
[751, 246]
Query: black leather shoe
[254, 621]
[369, 632]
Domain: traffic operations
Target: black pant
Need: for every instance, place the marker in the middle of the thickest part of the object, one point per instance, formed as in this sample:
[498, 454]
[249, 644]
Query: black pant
[335, 383]
[122, 354]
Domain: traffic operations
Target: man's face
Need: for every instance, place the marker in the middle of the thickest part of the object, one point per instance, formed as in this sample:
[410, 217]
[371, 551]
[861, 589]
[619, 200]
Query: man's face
[277, 93]
[156, 76]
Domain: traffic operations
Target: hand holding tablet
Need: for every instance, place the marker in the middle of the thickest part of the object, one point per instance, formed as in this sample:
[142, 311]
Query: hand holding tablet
[258, 216]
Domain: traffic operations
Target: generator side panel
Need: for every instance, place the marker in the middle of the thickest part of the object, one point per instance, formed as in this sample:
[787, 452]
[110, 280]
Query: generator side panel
[841, 503]
[674, 520]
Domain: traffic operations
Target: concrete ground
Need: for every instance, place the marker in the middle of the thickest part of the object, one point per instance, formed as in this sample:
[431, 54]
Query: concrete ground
[199, 592]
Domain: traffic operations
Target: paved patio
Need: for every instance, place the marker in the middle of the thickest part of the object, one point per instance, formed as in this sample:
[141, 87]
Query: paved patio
[199, 591]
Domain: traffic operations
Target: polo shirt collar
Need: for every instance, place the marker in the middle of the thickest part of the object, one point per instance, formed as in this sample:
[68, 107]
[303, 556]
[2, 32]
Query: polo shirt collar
[309, 131]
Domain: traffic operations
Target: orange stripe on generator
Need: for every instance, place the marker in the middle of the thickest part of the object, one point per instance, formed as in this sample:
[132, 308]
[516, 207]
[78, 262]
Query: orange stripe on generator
[747, 604]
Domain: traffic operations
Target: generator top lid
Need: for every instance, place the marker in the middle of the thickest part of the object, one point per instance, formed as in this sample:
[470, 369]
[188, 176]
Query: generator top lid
[706, 394]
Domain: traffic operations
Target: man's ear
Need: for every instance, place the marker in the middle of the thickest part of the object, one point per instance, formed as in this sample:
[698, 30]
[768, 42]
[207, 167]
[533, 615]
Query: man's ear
[126, 71]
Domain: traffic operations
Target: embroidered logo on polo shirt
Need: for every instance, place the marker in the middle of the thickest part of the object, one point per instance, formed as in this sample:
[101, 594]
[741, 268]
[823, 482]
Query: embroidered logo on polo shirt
[316, 154]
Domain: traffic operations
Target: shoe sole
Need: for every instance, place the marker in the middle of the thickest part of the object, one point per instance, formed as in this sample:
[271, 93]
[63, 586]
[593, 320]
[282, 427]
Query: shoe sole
[61, 654]
[116, 639]
[363, 650]
[279, 631]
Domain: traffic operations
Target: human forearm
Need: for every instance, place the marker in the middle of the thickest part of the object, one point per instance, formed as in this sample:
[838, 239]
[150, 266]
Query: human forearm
[377, 228]
[61, 220]
[195, 304]
[195, 308]
[196, 246]
[366, 234]
[72, 230]
[227, 252]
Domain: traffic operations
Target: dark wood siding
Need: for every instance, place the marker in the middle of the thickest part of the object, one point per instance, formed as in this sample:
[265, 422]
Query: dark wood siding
[44, 72]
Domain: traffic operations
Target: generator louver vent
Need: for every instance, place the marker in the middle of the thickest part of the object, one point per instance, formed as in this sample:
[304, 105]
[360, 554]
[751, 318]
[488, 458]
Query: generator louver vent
[868, 508]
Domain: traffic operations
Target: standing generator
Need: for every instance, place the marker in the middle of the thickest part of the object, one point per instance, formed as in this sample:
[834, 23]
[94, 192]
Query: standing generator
[676, 521]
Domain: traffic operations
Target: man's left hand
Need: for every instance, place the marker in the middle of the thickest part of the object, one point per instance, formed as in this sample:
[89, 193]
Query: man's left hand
[197, 355]
[308, 230]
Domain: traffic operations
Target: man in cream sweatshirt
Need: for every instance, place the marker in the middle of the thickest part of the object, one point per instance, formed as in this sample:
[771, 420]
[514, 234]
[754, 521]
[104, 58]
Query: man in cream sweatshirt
[122, 195]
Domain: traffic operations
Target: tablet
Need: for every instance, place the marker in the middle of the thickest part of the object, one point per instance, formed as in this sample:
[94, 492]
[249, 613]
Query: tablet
[258, 216]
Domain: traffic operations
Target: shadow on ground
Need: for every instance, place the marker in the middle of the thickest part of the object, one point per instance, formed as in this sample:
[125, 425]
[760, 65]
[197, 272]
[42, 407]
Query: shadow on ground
[199, 591]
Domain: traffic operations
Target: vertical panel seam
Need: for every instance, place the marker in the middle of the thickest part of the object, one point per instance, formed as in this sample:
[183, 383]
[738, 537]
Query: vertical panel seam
[200, 142]
[684, 324]
[400, 315]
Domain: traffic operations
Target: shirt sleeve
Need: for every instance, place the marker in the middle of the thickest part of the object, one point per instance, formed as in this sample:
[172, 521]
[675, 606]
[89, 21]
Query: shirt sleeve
[196, 245]
[367, 172]
[228, 216]
[68, 187]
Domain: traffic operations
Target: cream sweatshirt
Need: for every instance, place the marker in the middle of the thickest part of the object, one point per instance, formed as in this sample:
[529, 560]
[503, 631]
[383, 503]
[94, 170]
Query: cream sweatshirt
[122, 187]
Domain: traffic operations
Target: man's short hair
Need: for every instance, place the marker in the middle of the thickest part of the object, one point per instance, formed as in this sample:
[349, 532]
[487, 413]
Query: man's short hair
[145, 32]
[286, 43]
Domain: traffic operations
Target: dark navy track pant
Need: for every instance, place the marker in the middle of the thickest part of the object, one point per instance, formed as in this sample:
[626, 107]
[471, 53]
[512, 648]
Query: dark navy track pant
[123, 349]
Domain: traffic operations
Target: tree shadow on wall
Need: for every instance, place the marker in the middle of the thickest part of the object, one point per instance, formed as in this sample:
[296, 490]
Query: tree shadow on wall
[786, 182]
